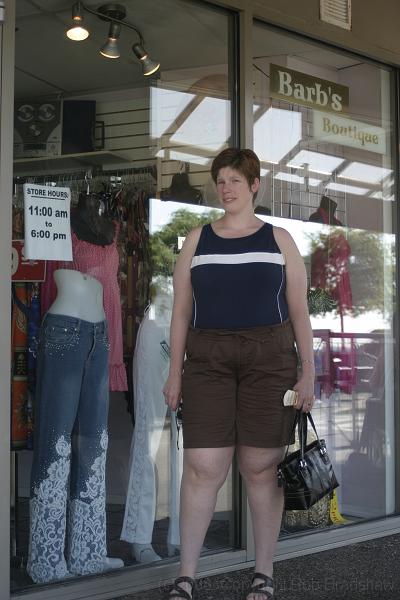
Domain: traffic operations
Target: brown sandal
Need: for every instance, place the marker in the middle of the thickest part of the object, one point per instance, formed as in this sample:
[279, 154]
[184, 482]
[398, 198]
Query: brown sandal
[178, 592]
[257, 588]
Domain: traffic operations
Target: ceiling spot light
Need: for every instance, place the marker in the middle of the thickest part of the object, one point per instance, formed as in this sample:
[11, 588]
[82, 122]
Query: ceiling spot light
[110, 48]
[115, 15]
[149, 66]
[77, 32]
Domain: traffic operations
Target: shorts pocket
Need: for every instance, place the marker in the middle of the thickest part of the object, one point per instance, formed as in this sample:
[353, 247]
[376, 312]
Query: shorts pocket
[286, 349]
[287, 339]
[197, 348]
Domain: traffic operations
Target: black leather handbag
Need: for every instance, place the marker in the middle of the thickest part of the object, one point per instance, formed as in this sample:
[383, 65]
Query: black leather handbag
[306, 475]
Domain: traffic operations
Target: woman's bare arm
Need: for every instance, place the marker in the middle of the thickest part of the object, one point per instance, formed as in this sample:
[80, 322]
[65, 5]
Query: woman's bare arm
[181, 315]
[296, 295]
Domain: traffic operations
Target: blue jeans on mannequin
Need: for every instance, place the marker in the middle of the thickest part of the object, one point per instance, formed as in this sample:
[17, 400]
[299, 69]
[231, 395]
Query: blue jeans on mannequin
[70, 439]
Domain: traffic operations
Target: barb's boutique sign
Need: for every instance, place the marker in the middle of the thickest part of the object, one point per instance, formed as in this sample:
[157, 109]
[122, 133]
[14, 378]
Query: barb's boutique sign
[347, 132]
[298, 88]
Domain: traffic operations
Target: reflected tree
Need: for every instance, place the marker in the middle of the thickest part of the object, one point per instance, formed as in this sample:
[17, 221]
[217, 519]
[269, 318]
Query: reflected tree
[164, 243]
[356, 268]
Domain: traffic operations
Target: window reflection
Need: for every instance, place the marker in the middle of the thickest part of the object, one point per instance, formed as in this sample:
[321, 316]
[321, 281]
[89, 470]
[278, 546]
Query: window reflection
[329, 186]
[353, 345]
[276, 132]
[166, 106]
[365, 172]
[316, 161]
[208, 126]
[347, 189]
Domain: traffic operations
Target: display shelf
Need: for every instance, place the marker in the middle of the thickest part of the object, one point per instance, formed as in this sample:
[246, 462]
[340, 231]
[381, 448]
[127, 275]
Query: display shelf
[66, 162]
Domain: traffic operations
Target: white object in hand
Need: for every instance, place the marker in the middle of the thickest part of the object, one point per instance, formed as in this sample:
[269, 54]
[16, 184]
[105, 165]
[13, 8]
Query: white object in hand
[290, 398]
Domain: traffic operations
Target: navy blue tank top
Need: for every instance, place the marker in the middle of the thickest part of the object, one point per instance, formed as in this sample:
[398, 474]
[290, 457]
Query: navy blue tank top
[238, 282]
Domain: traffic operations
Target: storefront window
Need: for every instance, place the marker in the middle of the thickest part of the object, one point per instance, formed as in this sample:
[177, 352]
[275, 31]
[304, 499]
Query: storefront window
[324, 131]
[111, 171]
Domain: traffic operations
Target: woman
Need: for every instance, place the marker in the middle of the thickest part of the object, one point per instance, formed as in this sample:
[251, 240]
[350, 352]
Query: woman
[239, 304]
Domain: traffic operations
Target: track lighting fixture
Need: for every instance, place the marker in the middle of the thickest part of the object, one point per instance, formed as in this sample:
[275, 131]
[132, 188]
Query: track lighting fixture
[110, 48]
[149, 66]
[114, 14]
[77, 32]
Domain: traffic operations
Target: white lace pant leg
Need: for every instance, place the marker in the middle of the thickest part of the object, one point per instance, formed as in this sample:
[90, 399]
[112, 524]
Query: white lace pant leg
[72, 396]
[48, 507]
[87, 544]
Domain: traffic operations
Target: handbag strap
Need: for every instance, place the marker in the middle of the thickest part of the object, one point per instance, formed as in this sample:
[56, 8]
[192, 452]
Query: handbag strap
[302, 435]
[304, 418]
[313, 425]
[300, 421]
[295, 423]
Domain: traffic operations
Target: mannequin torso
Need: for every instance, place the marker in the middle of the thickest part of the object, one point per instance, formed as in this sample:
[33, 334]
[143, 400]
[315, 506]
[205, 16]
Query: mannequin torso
[326, 212]
[78, 295]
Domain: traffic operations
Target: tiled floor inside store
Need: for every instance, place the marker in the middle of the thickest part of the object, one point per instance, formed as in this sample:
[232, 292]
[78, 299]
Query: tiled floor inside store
[217, 538]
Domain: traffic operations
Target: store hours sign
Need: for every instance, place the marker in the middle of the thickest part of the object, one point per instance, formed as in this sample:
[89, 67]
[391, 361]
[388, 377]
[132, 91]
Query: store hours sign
[47, 222]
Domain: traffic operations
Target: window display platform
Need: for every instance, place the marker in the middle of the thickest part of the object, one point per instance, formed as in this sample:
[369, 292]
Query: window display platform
[217, 539]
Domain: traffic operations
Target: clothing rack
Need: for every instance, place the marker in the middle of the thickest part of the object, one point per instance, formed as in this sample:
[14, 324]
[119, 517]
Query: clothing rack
[128, 175]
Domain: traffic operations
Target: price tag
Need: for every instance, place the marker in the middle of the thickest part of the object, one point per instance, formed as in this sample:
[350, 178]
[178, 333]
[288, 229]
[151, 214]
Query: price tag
[47, 222]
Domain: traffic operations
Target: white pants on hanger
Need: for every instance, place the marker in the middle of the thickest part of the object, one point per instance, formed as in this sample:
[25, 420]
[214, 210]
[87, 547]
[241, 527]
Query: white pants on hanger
[150, 371]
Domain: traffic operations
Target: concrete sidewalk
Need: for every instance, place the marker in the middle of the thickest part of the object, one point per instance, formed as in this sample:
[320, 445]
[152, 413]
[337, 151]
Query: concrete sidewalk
[364, 571]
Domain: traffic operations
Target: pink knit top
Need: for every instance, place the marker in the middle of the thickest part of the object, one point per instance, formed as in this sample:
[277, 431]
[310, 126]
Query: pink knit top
[102, 262]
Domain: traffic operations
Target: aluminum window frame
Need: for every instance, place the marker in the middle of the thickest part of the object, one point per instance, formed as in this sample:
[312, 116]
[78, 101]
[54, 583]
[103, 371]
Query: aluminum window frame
[132, 580]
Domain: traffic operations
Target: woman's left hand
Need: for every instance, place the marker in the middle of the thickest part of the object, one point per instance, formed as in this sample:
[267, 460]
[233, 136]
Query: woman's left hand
[305, 392]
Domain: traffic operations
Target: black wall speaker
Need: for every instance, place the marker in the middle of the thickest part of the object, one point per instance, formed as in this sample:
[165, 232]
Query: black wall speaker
[37, 128]
[78, 126]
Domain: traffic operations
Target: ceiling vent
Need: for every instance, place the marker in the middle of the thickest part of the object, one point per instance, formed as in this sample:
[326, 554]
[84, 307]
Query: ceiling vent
[336, 12]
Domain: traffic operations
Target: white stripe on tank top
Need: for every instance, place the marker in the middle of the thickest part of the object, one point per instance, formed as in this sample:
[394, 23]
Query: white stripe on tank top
[237, 259]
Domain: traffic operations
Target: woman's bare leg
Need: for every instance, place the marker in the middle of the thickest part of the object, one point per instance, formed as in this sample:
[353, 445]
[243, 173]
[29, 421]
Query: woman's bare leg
[204, 472]
[258, 469]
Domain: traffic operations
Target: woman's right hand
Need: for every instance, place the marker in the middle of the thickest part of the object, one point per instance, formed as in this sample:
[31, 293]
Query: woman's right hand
[172, 390]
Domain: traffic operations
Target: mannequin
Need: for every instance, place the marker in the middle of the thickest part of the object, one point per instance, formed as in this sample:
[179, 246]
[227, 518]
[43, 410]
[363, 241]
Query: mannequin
[95, 252]
[181, 190]
[71, 435]
[329, 261]
[79, 296]
[150, 370]
[326, 212]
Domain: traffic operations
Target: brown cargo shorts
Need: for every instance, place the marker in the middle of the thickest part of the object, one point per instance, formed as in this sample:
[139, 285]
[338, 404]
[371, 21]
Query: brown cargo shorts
[233, 386]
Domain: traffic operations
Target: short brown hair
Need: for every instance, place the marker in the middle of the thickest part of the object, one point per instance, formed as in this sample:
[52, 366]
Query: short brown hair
[243, 160]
